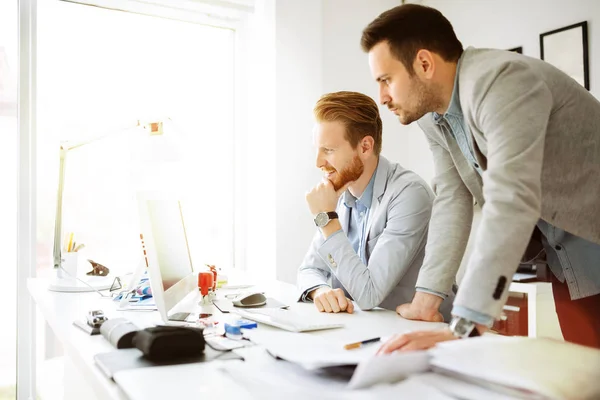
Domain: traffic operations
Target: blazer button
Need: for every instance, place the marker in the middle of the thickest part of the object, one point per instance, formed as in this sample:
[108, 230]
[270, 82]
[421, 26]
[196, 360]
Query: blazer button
[331, 261]
[499, 288]
[558, 247]
[476, 165]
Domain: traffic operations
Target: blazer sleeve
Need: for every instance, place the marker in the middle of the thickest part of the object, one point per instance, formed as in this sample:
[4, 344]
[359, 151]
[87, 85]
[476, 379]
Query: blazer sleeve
[450, 223]
[397, 246]
[313, 271]
[511, 106]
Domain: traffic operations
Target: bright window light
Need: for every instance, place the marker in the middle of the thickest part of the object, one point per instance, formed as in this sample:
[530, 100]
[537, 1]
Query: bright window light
[99, 70]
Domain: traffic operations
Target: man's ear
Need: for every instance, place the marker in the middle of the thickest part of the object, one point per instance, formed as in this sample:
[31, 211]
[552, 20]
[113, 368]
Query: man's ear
[367, 144]
[424, 65]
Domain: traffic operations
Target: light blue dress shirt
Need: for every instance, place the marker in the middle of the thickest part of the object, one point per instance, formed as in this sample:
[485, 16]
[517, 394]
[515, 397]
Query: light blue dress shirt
[358, 210]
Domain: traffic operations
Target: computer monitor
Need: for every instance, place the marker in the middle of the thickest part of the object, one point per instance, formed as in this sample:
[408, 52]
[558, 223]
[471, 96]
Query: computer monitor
[165, 250]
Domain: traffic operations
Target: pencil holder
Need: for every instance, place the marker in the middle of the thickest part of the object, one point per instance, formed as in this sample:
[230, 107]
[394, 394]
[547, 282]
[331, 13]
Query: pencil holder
[69, 262]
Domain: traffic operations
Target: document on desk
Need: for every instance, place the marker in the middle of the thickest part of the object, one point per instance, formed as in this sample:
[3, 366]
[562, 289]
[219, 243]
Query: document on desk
[389, 368]
[315, 353]
[284, 380]
[309, 351]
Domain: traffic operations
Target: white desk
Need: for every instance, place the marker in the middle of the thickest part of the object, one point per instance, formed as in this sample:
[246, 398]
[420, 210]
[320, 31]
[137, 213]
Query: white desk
[61, 309]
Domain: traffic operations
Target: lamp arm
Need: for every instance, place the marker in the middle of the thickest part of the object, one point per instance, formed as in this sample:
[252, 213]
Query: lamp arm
[59, 201]
[64, 149]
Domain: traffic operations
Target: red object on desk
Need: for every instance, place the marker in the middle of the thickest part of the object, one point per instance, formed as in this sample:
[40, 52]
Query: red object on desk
[205, 282]
[214, 271]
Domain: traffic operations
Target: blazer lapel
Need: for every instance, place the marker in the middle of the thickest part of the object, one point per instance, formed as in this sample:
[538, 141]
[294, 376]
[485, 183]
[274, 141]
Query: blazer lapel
[378, 190]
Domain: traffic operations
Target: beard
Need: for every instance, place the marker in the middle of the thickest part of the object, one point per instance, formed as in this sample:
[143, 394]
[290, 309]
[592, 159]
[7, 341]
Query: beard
[424, 100]
[349, 174]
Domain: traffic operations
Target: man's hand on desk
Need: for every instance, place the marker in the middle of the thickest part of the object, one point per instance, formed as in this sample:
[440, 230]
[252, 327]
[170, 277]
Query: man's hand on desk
[421, 340]
[424, 307]
[331, 300]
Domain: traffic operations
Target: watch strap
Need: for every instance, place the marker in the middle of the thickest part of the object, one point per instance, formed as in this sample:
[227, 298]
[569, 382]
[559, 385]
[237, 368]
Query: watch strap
[332, 215]
[474, 332]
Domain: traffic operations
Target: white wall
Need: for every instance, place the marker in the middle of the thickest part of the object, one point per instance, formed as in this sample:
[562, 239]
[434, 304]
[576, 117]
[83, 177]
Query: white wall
[317, 51]
[345, 67]
[299, 83]
[511, 23]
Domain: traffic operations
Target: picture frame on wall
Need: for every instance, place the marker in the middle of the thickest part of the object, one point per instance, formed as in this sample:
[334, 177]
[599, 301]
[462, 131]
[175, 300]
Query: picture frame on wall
[567, 49]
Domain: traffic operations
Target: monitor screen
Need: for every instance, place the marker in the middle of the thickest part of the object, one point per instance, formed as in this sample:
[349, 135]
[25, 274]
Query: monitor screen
[166, 251]
[170, 241]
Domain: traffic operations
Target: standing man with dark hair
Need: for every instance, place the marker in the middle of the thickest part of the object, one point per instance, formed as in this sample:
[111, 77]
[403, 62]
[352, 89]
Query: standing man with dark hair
[518, 136]
[372, 215]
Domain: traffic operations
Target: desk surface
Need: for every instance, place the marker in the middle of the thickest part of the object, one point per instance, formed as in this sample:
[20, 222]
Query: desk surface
[61, 309]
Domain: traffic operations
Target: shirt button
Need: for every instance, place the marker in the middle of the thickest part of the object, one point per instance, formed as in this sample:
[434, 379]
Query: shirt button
[558, 247]
[476, 165]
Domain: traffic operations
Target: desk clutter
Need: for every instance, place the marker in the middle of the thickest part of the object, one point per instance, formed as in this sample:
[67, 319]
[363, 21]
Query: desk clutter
[491, 367]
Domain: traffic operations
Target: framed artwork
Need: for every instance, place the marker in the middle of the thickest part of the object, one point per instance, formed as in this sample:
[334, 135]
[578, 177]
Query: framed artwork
[567, 49]
[517, 49]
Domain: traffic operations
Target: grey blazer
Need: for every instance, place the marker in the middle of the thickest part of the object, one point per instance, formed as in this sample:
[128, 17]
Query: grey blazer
[536, 133]
[397, 228]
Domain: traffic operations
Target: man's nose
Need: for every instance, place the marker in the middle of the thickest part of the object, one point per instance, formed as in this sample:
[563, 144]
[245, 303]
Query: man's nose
[384, 98]
[320, 161]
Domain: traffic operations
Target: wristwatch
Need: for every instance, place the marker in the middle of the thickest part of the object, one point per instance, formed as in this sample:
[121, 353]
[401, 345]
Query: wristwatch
[462, 328]
[323, 218]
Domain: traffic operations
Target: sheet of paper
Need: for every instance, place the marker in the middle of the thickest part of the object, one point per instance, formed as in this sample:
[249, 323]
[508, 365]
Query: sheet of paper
[455, 388]
[309, 351]
[284, 380]
[389, 368]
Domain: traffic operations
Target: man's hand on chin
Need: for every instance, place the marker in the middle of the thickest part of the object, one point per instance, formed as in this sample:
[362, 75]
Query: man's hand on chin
[424, 307]
[323, 197]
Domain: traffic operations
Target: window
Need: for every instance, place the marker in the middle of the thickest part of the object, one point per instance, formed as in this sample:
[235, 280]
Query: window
[99, 71]
[8, 200]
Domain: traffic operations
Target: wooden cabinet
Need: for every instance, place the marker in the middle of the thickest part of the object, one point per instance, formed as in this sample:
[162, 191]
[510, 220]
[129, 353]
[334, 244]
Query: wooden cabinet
[529, 311]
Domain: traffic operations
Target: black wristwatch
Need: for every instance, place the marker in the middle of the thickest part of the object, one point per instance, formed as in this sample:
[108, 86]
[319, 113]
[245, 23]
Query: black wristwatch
[463, 328]
[323, 218]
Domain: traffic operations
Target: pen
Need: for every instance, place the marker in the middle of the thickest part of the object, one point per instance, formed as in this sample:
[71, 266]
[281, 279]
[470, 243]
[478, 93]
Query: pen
[78, 247]
[360, 344]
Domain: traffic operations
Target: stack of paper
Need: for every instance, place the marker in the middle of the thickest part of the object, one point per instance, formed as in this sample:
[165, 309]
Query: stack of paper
[522, 367]
[515, 366]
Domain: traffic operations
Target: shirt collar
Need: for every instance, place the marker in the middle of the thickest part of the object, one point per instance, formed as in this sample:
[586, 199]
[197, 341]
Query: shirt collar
[365, 199]
[454, 108]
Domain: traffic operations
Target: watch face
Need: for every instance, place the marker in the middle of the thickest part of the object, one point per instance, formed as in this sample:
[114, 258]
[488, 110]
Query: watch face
[321, 219]
[461, 327]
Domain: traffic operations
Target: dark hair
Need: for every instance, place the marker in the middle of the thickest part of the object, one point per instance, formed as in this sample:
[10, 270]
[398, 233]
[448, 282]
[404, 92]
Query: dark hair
[358, 112]
[409, 28]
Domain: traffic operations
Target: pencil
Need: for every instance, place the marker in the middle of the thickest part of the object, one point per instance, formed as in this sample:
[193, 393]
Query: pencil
[360, 344]
[70, 242]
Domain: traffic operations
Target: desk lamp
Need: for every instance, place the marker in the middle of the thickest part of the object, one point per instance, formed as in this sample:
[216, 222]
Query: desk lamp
[66, 282]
